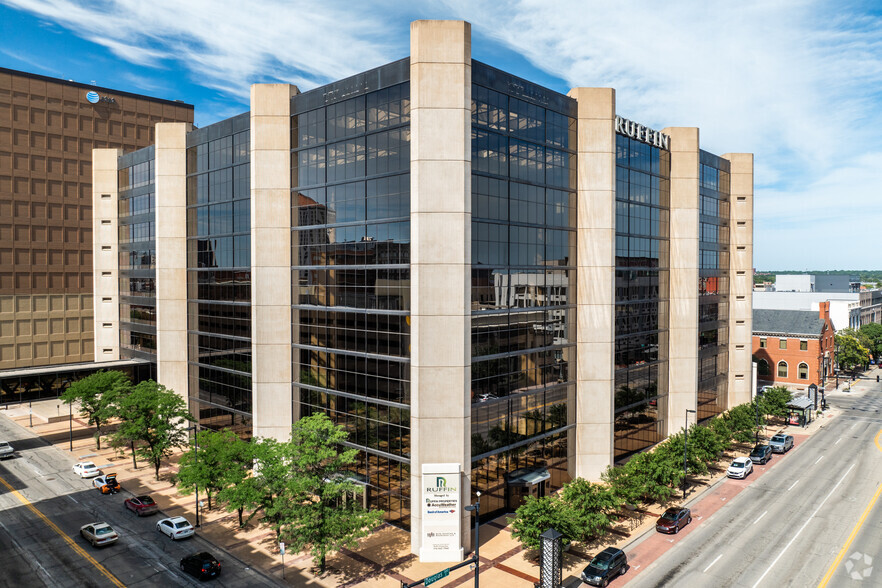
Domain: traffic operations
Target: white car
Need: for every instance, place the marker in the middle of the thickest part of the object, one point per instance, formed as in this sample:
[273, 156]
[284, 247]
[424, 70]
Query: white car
[740, 468]
[175, 528]
[99, 534]
[6, 450]
[86, 469]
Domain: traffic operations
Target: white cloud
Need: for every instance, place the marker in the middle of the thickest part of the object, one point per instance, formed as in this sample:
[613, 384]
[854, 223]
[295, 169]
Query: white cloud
[228, 45]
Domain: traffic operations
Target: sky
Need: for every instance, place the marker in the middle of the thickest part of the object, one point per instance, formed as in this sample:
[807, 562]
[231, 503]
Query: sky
[795, 82]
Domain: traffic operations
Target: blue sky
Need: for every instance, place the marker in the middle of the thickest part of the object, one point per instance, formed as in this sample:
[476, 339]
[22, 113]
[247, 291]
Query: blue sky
[796, 82]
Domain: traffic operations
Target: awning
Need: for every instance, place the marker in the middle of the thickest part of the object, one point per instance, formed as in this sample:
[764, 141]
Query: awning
[801, 403]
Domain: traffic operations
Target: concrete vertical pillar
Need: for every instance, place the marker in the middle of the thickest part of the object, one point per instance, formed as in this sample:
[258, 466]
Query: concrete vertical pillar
[683, 305]
[440, 230]
[592, 443]
[105, 252]
[740, 277]
[171, 256]
[271, 328]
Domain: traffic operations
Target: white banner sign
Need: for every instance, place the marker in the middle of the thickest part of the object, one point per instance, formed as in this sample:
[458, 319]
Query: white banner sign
[442, 511]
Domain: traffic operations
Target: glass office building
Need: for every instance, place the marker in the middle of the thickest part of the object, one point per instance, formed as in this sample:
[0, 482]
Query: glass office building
[461, 268]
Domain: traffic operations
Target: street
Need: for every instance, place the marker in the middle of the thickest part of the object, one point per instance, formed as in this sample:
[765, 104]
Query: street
[43, 504]
[792, 526]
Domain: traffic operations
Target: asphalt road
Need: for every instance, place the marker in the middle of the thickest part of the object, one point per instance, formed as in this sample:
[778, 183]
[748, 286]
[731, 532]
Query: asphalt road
[792, 526]
[43, 504]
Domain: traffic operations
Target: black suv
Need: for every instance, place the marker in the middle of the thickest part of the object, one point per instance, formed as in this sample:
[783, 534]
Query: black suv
[606, 565]
[201, 565]
[761, 454]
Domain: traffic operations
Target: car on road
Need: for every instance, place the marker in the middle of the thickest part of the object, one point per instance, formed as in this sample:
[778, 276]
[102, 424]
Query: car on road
[606, 566]
[673, 519]
[176, 528]
[6, 450]
[761, 454]
[781, 443]
[99, 534]
[108, 484]
[740, 468]
[142, 505]
[86, 469]
[202, 565]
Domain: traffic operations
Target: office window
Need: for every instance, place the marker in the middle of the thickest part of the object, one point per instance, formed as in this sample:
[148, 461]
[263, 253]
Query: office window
[782, 343]
[802, 371]
[803, 345]
[782, 369]
[763, 343]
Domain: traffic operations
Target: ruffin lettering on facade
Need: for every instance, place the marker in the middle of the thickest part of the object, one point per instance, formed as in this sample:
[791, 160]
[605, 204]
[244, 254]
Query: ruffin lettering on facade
[642, 133]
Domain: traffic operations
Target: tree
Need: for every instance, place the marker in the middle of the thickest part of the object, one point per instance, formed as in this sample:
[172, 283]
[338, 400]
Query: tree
[720, 426]
[741, 420]
[222, 460]
[849, 351]
[537, 515]
[873, 332]
[589, 507]
[319, 513]
[773, 401]
[151, 417]
[96, 395]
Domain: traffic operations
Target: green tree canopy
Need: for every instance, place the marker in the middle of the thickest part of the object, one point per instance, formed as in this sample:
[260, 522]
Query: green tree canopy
[537, 515]
[773, 401]
[873, 333]
[589, 508]
[96, 395]
[155, 419]
[849, 351]
[221, 460]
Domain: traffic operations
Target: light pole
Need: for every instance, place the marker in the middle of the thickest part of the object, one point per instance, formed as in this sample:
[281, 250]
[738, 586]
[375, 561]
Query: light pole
[685, 445]
[476, 507]
[195, 428]
[756, 407]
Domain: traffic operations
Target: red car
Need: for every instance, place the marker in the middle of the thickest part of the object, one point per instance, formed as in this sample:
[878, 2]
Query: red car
[142, 505]
[673, 520]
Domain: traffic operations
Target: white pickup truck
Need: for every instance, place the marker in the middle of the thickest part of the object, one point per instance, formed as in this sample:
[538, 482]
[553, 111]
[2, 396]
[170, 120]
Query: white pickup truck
[6, 450]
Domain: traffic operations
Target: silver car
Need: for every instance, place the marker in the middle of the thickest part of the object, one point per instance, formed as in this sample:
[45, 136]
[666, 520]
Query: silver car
[6, 450]
[781, 443]
[99, 534]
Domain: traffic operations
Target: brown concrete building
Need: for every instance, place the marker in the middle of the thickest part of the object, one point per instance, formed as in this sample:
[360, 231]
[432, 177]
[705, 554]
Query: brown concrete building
[48, 128]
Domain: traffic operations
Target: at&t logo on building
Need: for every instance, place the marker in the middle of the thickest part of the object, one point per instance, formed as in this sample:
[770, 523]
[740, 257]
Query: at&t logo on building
[94, 98]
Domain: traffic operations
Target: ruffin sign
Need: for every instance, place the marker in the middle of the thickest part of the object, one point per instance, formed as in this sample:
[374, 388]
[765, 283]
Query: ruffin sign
[641, 133]
[442, 511]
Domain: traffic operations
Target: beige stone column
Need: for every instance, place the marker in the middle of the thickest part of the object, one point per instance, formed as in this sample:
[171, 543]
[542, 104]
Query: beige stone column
[740, 277]
[683, 305]
[171, 256]
[271, 381]
[105, 252]
[592, 443]
[440, 250]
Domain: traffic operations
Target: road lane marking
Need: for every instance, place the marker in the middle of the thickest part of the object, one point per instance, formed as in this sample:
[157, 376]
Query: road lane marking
[715, 561]
[857, 527]
[792, 485]
[758, 519]
[819, 459]
[804, 525]
[837, 441]
[76, 548]
[72, 498]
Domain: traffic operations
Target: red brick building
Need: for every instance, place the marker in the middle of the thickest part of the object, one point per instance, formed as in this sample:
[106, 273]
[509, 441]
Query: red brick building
[793, 348]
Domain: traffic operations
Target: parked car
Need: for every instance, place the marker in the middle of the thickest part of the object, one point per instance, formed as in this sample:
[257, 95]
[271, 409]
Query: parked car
[99, 534]
[202, 565]
[176, 528]
[606, 566]
[781, 443]
[86, 469]
[740, 468]
[142, 505]
[761, 454]
[673, 519]
[6, 450]
[107, 484]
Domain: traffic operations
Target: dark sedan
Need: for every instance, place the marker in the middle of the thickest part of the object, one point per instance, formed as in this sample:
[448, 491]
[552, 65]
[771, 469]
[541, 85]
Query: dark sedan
[673, 519]
[202, 565]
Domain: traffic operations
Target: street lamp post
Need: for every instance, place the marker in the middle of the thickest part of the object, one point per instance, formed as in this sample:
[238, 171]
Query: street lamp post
[685, 445]
[195, 428]
[476, 508]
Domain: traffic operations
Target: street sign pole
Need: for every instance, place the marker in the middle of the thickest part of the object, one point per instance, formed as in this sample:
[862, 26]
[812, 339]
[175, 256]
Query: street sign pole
[282, 551]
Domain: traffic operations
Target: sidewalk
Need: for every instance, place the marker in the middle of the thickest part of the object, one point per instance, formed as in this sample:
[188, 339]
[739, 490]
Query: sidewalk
[383, 559]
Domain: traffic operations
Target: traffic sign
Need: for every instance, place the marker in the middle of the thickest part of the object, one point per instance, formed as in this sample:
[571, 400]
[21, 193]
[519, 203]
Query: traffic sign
[281, 548]
[435, 577]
